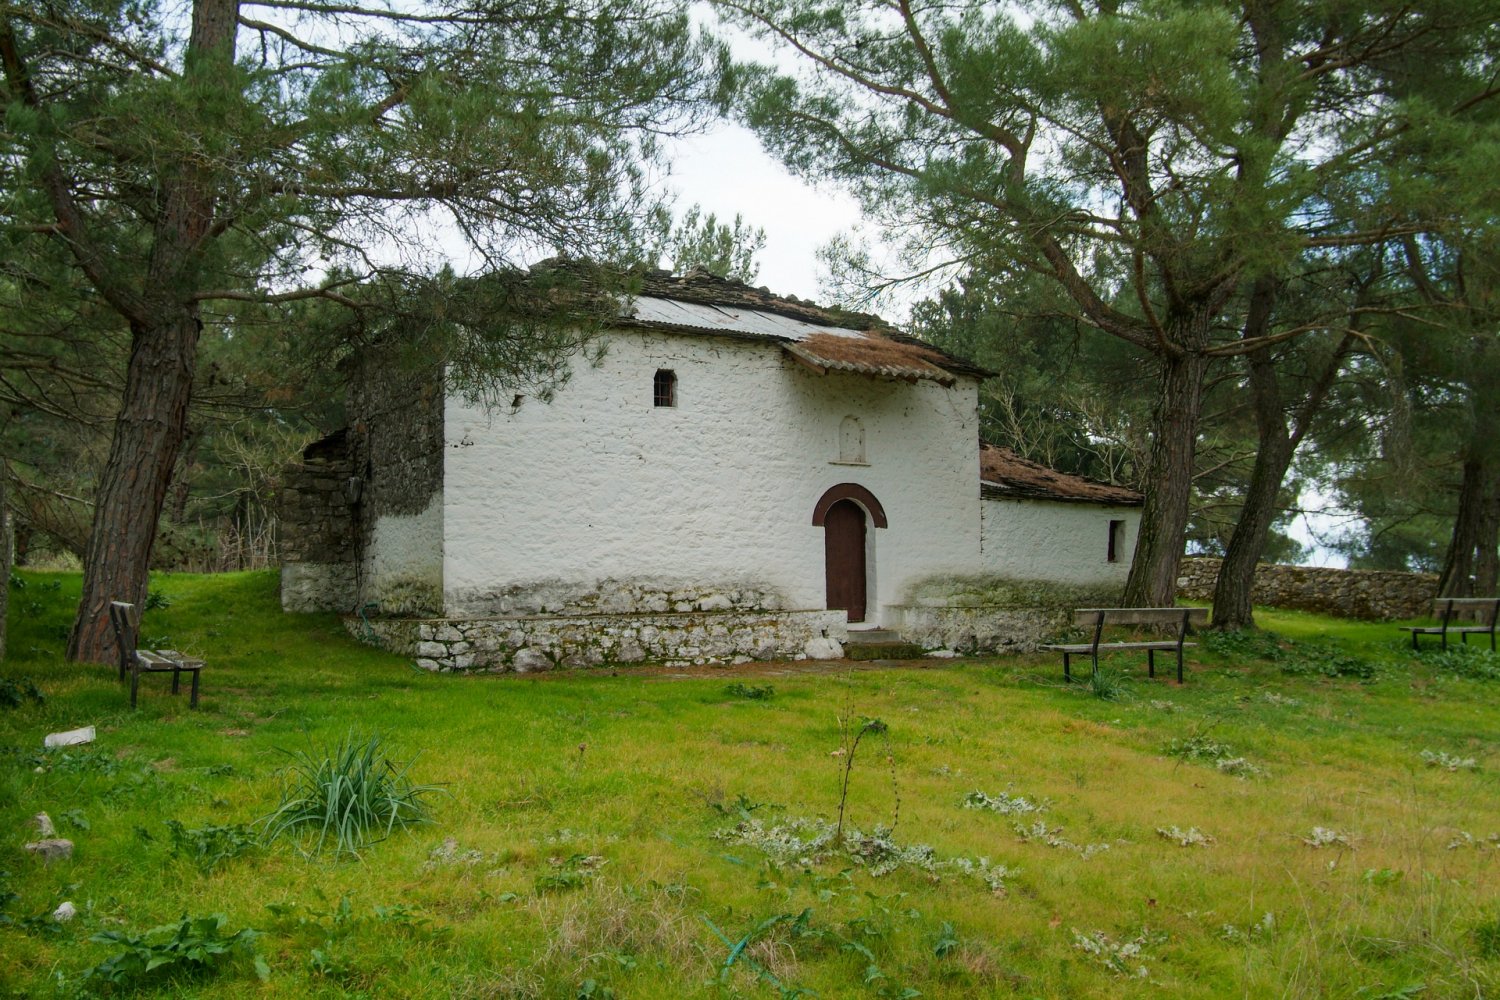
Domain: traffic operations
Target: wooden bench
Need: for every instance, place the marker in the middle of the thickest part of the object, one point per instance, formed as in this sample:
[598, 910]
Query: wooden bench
[148, 661]
[1480, 610]
[1097, 618]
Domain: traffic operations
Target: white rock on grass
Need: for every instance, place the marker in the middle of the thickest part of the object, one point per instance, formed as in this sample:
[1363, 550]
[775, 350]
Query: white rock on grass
[65, 912]
[942, 654]
[44, 827]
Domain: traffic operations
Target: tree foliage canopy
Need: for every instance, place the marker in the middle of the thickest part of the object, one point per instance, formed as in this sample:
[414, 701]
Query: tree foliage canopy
[219, 161]
[1153, 159]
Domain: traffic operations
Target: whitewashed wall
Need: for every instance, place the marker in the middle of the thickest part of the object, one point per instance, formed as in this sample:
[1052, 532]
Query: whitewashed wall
[1058, 542]
[601, 501]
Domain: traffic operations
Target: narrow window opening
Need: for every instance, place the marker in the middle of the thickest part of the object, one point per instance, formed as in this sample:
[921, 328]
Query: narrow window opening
[1116, 540]
[664, 388]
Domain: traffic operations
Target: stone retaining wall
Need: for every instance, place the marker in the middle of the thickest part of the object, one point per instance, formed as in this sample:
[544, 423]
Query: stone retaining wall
[982, 629]
[529, 644]
[1348, 593]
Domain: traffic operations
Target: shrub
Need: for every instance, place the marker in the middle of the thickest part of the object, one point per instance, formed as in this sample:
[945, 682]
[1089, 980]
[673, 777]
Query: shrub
[1474, 662]
[1323, 660]
[346, 798]
[1487, 938]
[14, 695]
[1246, 644]
[750, 692]
[193, 945]
[1106, 685]
[208, 846]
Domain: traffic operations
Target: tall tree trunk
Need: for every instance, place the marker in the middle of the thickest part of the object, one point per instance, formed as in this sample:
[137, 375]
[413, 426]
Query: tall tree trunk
[5, 554]
[132, 490]
[158, 384]
[1234, 588]
[1457, 577]
[1487, 558]
[1168, 481]
[1235, 584]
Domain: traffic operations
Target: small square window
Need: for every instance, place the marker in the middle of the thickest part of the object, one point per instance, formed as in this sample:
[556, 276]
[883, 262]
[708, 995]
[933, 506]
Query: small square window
[1116, 540]
[664, 388]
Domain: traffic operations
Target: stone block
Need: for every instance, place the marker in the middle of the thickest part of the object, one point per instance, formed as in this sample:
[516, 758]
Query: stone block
[820, 648]
[528, 661]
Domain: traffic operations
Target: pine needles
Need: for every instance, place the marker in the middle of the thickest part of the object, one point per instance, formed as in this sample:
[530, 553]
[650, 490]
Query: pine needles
[346, 799]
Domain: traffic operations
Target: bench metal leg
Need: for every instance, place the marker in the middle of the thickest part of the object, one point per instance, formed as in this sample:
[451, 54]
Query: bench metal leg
[1094, 677]
[193, 698]
[135, 683]
[1151, 663]
[1179, 665]
[175, 675]
[1067, 672]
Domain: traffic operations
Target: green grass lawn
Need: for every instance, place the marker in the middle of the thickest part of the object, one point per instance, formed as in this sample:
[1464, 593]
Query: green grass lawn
[644, 834]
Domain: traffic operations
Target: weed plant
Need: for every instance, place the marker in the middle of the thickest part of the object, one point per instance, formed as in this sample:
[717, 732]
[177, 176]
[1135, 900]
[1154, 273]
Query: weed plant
[211, 845]
[1473, 662]
[193, 946]
[346, 798]
[750, 692]
[1106, 685]
[14, 694]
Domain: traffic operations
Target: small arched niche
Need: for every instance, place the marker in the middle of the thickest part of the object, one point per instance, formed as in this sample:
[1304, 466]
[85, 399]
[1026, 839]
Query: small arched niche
[851, 441]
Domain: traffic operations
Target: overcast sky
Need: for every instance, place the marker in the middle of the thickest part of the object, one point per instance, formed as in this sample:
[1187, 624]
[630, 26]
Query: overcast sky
[727, 172]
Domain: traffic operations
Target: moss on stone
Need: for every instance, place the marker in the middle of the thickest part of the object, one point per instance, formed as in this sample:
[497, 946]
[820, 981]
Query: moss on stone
[410, 597]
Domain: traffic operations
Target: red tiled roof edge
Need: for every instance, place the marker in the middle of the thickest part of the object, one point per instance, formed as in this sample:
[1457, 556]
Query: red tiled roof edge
[1008, 475]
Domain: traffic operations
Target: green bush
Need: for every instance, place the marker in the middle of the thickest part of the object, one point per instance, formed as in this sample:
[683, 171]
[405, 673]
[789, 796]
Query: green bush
[346, 798]
[193, 945]
[1474, 662]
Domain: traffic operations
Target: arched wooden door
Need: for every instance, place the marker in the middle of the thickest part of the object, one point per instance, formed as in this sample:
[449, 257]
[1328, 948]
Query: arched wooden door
[844, 558]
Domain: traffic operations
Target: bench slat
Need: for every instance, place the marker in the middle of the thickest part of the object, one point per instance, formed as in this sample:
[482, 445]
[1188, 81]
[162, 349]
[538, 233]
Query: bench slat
[1104, 647]
[1479, 609]
[1140, 616]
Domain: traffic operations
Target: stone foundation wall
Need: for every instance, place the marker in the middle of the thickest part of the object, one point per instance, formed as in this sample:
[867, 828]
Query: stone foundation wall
[529, 644]
[1377, 595]
[628, 596]
[986, 629]
[991, 613]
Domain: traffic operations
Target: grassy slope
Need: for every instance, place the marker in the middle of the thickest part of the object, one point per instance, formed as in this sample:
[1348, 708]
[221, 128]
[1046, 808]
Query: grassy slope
[641, 769]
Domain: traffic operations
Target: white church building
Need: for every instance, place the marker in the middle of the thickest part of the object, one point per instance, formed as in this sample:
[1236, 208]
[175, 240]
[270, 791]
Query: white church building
[736, 476]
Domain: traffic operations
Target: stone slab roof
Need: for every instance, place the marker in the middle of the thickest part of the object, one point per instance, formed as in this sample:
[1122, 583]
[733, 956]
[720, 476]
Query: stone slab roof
[823, 339]
[1004, 475]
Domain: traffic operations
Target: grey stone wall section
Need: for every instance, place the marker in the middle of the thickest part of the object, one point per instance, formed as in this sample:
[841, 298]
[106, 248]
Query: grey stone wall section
[396, 449]
[994, 614]
[395, 435]
[315, 533]
[525, 645]
[613, 597]
[982, 629]
[1375, 595]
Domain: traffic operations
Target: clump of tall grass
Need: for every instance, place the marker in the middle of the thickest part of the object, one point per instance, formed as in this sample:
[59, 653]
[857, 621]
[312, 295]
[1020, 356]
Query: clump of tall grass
[346, 798]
